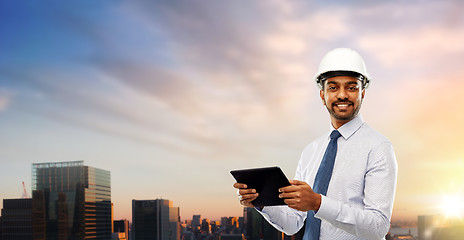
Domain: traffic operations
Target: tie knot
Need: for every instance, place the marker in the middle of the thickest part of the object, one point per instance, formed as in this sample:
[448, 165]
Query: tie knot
[335, 135]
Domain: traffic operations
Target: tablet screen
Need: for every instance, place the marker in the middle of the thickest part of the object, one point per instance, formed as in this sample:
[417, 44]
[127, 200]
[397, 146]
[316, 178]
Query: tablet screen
[266, 181]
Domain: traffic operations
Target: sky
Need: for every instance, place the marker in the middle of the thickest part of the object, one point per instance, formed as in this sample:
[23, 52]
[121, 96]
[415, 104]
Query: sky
[171, 95]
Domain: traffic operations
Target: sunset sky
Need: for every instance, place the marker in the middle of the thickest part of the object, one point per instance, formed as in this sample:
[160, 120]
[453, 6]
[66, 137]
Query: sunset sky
[171, 95]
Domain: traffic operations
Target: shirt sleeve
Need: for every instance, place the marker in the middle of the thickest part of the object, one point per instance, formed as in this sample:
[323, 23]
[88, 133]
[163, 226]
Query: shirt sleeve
[284, 219]
[372, 221]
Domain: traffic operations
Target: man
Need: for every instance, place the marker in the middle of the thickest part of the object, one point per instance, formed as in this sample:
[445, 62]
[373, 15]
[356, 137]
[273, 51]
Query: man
[345, 180]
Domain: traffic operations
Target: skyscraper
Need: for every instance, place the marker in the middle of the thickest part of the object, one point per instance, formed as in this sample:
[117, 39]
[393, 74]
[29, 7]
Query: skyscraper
[196, 223]
[425, 227]
[16, 219]
[71, 201]
[121, 229]
[155, 220]
[205, 226]
[256, 227]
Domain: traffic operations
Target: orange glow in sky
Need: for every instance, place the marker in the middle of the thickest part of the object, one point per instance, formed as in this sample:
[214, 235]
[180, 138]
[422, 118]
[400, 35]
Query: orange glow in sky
[170, 96]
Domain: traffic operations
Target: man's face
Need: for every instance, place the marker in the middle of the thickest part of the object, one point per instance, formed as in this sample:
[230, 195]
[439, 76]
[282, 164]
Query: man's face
[343, 97]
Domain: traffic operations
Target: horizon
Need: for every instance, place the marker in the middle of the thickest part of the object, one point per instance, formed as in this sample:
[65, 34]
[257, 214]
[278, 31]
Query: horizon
[170, 96]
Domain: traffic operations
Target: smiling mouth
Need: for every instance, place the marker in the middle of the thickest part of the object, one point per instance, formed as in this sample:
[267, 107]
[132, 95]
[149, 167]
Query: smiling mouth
[342, 105]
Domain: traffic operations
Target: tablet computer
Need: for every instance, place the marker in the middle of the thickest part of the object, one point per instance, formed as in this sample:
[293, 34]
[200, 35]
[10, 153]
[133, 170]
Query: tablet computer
[266, 181]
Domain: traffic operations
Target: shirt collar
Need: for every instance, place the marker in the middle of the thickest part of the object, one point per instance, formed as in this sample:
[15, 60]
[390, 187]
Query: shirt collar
[347, 129]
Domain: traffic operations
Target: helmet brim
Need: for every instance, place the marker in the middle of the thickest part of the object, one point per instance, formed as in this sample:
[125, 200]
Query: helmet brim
[330, 74]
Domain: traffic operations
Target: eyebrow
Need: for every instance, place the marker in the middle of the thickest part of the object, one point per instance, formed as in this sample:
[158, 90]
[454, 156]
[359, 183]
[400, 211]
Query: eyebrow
[348, 83]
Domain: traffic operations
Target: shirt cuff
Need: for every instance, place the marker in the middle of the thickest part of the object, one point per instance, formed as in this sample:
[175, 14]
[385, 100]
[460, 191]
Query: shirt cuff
[329, 209]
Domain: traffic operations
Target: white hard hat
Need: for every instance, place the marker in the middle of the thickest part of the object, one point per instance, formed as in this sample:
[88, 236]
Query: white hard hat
[342, 62]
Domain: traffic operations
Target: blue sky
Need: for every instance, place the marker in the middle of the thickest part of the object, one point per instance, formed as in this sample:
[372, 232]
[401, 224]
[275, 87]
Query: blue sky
[171, 95]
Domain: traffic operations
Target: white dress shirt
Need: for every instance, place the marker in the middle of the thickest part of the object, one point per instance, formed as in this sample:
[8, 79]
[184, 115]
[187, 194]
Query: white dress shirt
[360, 196]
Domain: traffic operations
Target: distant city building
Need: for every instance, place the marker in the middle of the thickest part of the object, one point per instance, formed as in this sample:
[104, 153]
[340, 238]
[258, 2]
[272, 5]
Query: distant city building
[241, 224]
[205, 226]
[186, 225]
[196, 226]
[439, 227]
[257, 228]
[453, 232]
[196, 223]
[121, 229]
[155, 220]
[215, 227]
[425, 227]
[230, 225]
[16, 220]
[227, 236]
[118, 236]
[71, 201]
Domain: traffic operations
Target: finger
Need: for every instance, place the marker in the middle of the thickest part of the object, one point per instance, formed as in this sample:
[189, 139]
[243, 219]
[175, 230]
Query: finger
[289, 195]
[297, 182]
[246, 191]
[240, 185]
[289, 189]
[249, 197]
[246, 204]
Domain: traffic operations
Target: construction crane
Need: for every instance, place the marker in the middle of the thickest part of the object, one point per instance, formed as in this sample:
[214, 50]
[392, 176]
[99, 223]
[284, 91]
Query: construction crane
[25, 192]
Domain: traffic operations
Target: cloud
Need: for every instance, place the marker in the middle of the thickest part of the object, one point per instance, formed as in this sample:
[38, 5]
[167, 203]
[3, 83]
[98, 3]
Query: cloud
[231, 83]
[411, 38]
[228, 77]
[214, 89]
[430, 45]
[5, 98]
[424, 124]
[200, 75]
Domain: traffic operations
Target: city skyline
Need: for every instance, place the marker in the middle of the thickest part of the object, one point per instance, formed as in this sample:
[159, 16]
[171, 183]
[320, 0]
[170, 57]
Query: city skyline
[170, 96]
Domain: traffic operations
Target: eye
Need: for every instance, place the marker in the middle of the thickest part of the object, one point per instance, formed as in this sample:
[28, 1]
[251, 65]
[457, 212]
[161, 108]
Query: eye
[353, 88]
[332, 88]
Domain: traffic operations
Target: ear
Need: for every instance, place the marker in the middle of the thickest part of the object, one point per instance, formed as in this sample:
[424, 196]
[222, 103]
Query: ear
[363, 93]
[321, 93]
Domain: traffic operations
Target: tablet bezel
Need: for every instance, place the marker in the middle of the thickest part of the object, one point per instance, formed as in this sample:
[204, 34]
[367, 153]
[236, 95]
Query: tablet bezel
[266, 181]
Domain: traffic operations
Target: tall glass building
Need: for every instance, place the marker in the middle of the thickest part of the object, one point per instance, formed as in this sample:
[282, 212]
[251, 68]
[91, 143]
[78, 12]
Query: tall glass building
[16, 220]
[71, 201]
[155, 220]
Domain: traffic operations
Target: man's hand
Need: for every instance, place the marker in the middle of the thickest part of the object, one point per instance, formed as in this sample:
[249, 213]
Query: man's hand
[300, 196]
[245, 195]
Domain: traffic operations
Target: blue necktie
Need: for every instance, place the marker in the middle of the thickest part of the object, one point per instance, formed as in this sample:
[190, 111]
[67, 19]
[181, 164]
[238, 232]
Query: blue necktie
[321, 183]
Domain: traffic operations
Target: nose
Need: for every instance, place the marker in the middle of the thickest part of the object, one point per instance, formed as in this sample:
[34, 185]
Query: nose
[342, 94]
